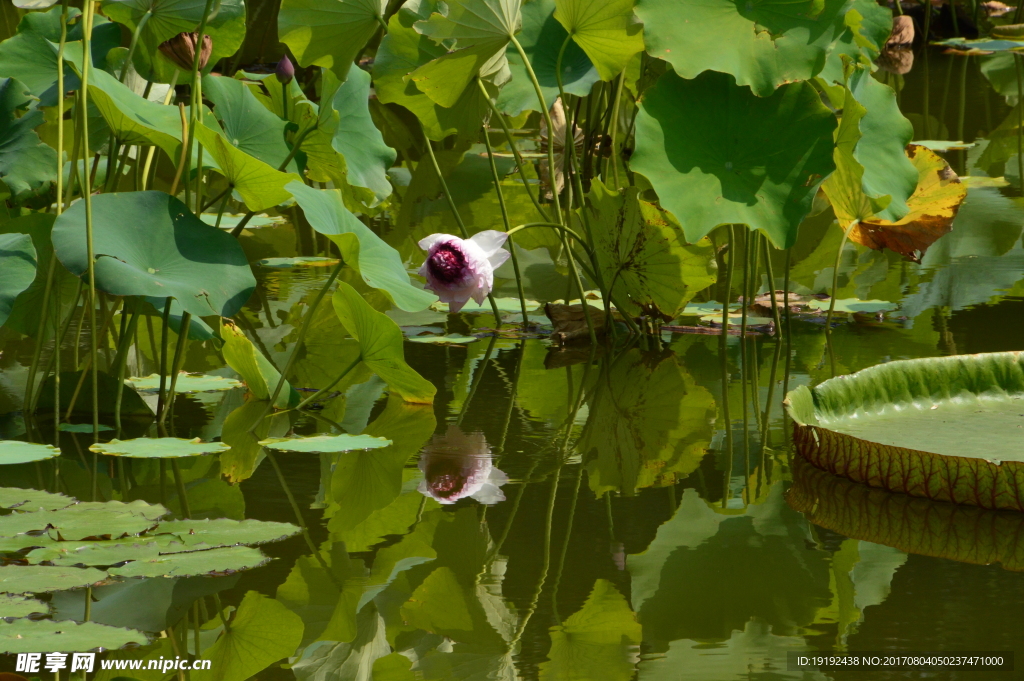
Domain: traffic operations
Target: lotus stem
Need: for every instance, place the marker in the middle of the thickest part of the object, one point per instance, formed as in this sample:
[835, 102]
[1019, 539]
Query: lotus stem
[295, 509]
[771, 286]
[183, 159]
[88, 604]
[565, 544]
[728, 280]
[40, 330]
[152, 149]
[58, 341]
[196, 99]
[179, 359]
[520, 164]
[835, 277]
[87, 365]
[323, 391]
[133, 44]
[1020, 117]
[477, 380]
[455, 211]
[745, 287]
[220, 611]
[615, 129]
[60, 107]
[223, 205]
[217, 198]
[163, 356]
[122, 360]
[87, 199]
[723, 360]
[182, 495]
[508, 227]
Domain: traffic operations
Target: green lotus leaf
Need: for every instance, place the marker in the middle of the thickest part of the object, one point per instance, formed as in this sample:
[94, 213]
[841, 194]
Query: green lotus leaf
[187, 383]
[33, 499]
[542, 38]
[158, 448]
[945, 428]
[381, 347]
[211, 533]
[16, 451]
[379, 264]
[27, 166]
[82, 428]
[297, 261]
[165, 19]
[17, 270]
[131, 403]
[329, 33]
[260, 376]
[28, 307]
[243, 429]
[194, 563]
[21, 606]
[596, 641]
[93, 553]
[716, 154]
[248, 124]
[446, 79]
[643, 256]
[448, 339]
[325, 444]
[111, 519]
[260, 185]
[149, 244]
[403, 50]
[262, 632]
[770, 43]
[35, 579]
[607, 31]
[354, 135]
[868, 25]
[43, 636]
[21, 542]
[854, 305]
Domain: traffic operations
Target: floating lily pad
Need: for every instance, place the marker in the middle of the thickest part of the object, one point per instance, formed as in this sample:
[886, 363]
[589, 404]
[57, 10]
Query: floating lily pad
[214, 561]
[298, 261]
[16, 451]
[109, 519]
[158, 448]
[974, 181]
[24, 541]
[326, 444]
[695, 309]
[94, 553]
[980, 45]
[81, 428]
[450, 339]
[216, 532]
[20, 606]
[42, 636]
[33, 499]
[945, 428]
[504, 305]
[187, 383]
[854, 305]
[35, 579]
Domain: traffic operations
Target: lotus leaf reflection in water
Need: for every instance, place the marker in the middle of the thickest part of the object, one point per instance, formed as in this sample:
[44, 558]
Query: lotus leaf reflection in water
[458, 465]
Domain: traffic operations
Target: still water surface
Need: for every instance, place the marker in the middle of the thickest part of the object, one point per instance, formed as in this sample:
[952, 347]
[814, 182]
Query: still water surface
[631, 513]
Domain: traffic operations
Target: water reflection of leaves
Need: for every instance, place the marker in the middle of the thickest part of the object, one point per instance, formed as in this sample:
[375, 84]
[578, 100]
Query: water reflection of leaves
[649, 424]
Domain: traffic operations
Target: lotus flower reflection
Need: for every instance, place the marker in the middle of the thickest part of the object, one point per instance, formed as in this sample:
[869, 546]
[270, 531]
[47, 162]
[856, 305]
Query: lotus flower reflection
[459, 269]
[457, 465]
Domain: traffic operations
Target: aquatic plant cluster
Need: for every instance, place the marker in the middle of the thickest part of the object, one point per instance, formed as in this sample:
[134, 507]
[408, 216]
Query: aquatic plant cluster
[647, 157]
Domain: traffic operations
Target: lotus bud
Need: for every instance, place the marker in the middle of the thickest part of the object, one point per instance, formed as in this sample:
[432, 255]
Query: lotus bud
[459, 269]
[181, 49]
[285, 70]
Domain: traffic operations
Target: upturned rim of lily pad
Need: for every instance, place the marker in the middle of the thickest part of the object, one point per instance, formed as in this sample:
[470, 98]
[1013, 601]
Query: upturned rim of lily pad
[158, 448]
[909, 385]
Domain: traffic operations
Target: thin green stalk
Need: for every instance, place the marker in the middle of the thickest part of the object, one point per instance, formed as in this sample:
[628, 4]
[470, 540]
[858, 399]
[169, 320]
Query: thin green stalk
[1020, 118]
[196, 103]
[60, 107]
[771, 286]
[179, 483]
[40, 330]
[87, 199]
[508, 227]
[179, 359]
[835, 277]
[477, 380]
[58, 341]
[745, 287]
[455, 211]
[785, 295]
[152, 149]
[121, 361]
[323, 391]
[565, 544]
[615, 129]
[88, 604]
[223, 205]
[728, 280]
[163, 356]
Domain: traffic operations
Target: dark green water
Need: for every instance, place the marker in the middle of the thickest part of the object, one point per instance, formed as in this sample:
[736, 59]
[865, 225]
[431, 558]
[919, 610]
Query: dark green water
[646, 529]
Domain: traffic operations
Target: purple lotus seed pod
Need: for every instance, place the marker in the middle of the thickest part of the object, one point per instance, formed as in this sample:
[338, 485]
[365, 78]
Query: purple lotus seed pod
[285, 70]
[459, 269]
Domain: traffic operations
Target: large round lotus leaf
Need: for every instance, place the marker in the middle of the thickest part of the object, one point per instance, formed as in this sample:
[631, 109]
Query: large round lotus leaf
[192, 564]
[929, 528]
[187, 383]
[149, 244]
[717, 155]
[325, 444]
[327, 32]
[16, 451]
[32, 499]
[110, 519]
[158, 448]
[27, 166]
[210, 533]
[94, 553]
[946, 428]
[43, 636]
[763, 44]
[17, 269]
[34, 579]
[20, 606]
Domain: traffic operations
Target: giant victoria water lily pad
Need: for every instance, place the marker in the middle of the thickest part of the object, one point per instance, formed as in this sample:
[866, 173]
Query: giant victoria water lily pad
[150, 244]
[945, 428]
[716, 154]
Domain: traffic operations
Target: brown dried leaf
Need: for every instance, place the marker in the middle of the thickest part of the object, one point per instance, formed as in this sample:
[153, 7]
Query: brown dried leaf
[570, 324]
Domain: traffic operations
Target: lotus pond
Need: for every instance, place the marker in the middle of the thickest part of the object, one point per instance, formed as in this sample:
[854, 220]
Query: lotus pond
[349, 339]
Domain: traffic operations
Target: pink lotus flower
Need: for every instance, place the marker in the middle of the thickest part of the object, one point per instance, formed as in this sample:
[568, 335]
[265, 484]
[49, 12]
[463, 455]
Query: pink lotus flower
[459, 269]
[457, 465]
